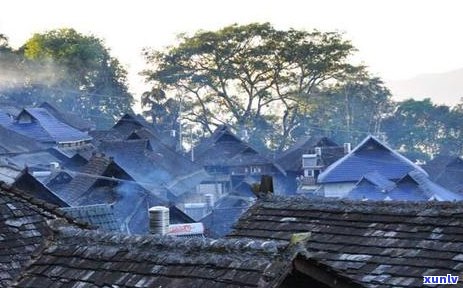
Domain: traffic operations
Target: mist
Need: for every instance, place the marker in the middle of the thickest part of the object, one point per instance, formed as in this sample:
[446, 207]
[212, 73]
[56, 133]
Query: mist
[16, 72]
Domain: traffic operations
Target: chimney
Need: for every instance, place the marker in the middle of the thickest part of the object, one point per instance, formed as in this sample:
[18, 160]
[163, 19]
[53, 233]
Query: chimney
[209, 202]
[159, 220]
[173, 133]
[347, 148]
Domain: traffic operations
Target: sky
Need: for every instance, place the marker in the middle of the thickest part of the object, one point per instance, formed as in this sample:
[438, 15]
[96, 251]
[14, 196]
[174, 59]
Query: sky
[396, 39]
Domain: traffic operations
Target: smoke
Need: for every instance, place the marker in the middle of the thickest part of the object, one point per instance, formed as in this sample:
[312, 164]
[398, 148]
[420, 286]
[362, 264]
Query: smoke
[16, 72]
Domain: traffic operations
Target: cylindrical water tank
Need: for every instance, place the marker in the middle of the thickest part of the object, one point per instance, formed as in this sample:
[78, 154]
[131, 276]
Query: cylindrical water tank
[159, 220]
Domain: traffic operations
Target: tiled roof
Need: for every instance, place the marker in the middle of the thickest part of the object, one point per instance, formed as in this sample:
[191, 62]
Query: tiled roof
[376, 244]
[159, 167]
[129, 123]
[370, 155]
[13, 142]
[99, 215]
[45, 127]
[446, 171]
[95, 259]
[30, 185]
[23, 228]
[69, 118]
[291, 159]
[223, 148]
[224, 214]
[86, 178]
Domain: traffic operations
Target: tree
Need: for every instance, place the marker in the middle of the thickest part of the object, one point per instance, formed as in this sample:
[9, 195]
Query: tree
[350, 109]
[249, 76]
[81, 76]
[423, 130]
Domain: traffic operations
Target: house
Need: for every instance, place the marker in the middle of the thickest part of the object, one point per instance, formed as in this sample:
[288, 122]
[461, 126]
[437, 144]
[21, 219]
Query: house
[69, 118]
[13, 142]
[306, 159]
[39, 125]
[23, 229]
[156, 167]
[230, 161]
[371, 155]
[130, 123]
[223, 215]
[374, 244]
[103, 181]
[81, 258]
[29, 184]
[446, 171]
[414, 186]
[100, 216]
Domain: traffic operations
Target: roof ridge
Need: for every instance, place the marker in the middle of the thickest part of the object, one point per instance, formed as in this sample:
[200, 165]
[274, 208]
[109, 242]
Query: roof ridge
[39, 205]
[69, 235]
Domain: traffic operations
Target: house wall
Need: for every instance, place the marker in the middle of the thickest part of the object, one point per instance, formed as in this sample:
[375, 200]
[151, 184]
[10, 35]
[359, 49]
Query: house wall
[337, 189]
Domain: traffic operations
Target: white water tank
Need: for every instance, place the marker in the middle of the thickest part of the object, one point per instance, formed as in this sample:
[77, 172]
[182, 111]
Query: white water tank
[159, 220]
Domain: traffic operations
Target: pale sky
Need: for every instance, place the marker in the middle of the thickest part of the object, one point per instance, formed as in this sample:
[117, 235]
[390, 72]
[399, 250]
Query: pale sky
[397, 39]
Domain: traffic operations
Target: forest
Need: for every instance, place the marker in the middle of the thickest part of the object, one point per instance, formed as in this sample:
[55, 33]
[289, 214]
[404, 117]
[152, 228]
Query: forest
[271, 86]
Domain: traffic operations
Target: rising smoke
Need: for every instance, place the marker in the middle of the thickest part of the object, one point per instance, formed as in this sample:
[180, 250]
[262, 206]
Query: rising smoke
[16, 72]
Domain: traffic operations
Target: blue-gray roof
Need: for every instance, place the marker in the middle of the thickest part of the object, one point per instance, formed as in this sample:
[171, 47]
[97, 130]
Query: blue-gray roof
[414, 186]
[369, 156]
[100, 216]
[44, 128]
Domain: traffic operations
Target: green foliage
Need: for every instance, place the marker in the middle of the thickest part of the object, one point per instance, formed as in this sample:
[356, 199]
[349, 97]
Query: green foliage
[80, 75]
[422, 129]
[251, 76]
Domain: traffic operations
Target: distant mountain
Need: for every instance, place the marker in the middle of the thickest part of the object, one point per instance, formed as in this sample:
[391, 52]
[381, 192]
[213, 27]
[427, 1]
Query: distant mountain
[443, 88]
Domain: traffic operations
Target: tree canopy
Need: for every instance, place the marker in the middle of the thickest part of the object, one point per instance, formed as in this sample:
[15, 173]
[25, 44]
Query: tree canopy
[74, 71]
[253, 77]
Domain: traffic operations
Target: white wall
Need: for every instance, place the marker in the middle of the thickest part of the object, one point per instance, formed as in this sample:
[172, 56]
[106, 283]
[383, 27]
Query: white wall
[337, 189]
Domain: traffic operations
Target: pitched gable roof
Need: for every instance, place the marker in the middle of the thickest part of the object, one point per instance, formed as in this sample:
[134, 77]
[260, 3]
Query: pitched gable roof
[291, 159]
[370, 155]
[129, 123]
[99, 259]
[223, 148]
[93, 171]
[30, 185]
[98, 215]
[376, 244]
[13, 142]
[69, 118]
[48, 128]
[23, 229]
[446, 171]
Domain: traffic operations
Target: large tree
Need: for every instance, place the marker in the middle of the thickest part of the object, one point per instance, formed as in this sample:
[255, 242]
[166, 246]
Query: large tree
[80, 75]
[422, 129]
[349, 110]
[251, 77]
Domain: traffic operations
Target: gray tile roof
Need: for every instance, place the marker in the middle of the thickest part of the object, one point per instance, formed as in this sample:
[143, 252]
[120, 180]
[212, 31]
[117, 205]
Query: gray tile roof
[13, 142]
[291, 159]
[369, 156]
[376, 244]
[69, 118]
[23, 228]
[223, 148]
[446, 171]
[98, 215]
[44, 128]
[96, 259]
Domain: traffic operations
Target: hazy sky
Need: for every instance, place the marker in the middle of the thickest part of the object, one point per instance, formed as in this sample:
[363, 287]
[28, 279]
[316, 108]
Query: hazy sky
[396, 39]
